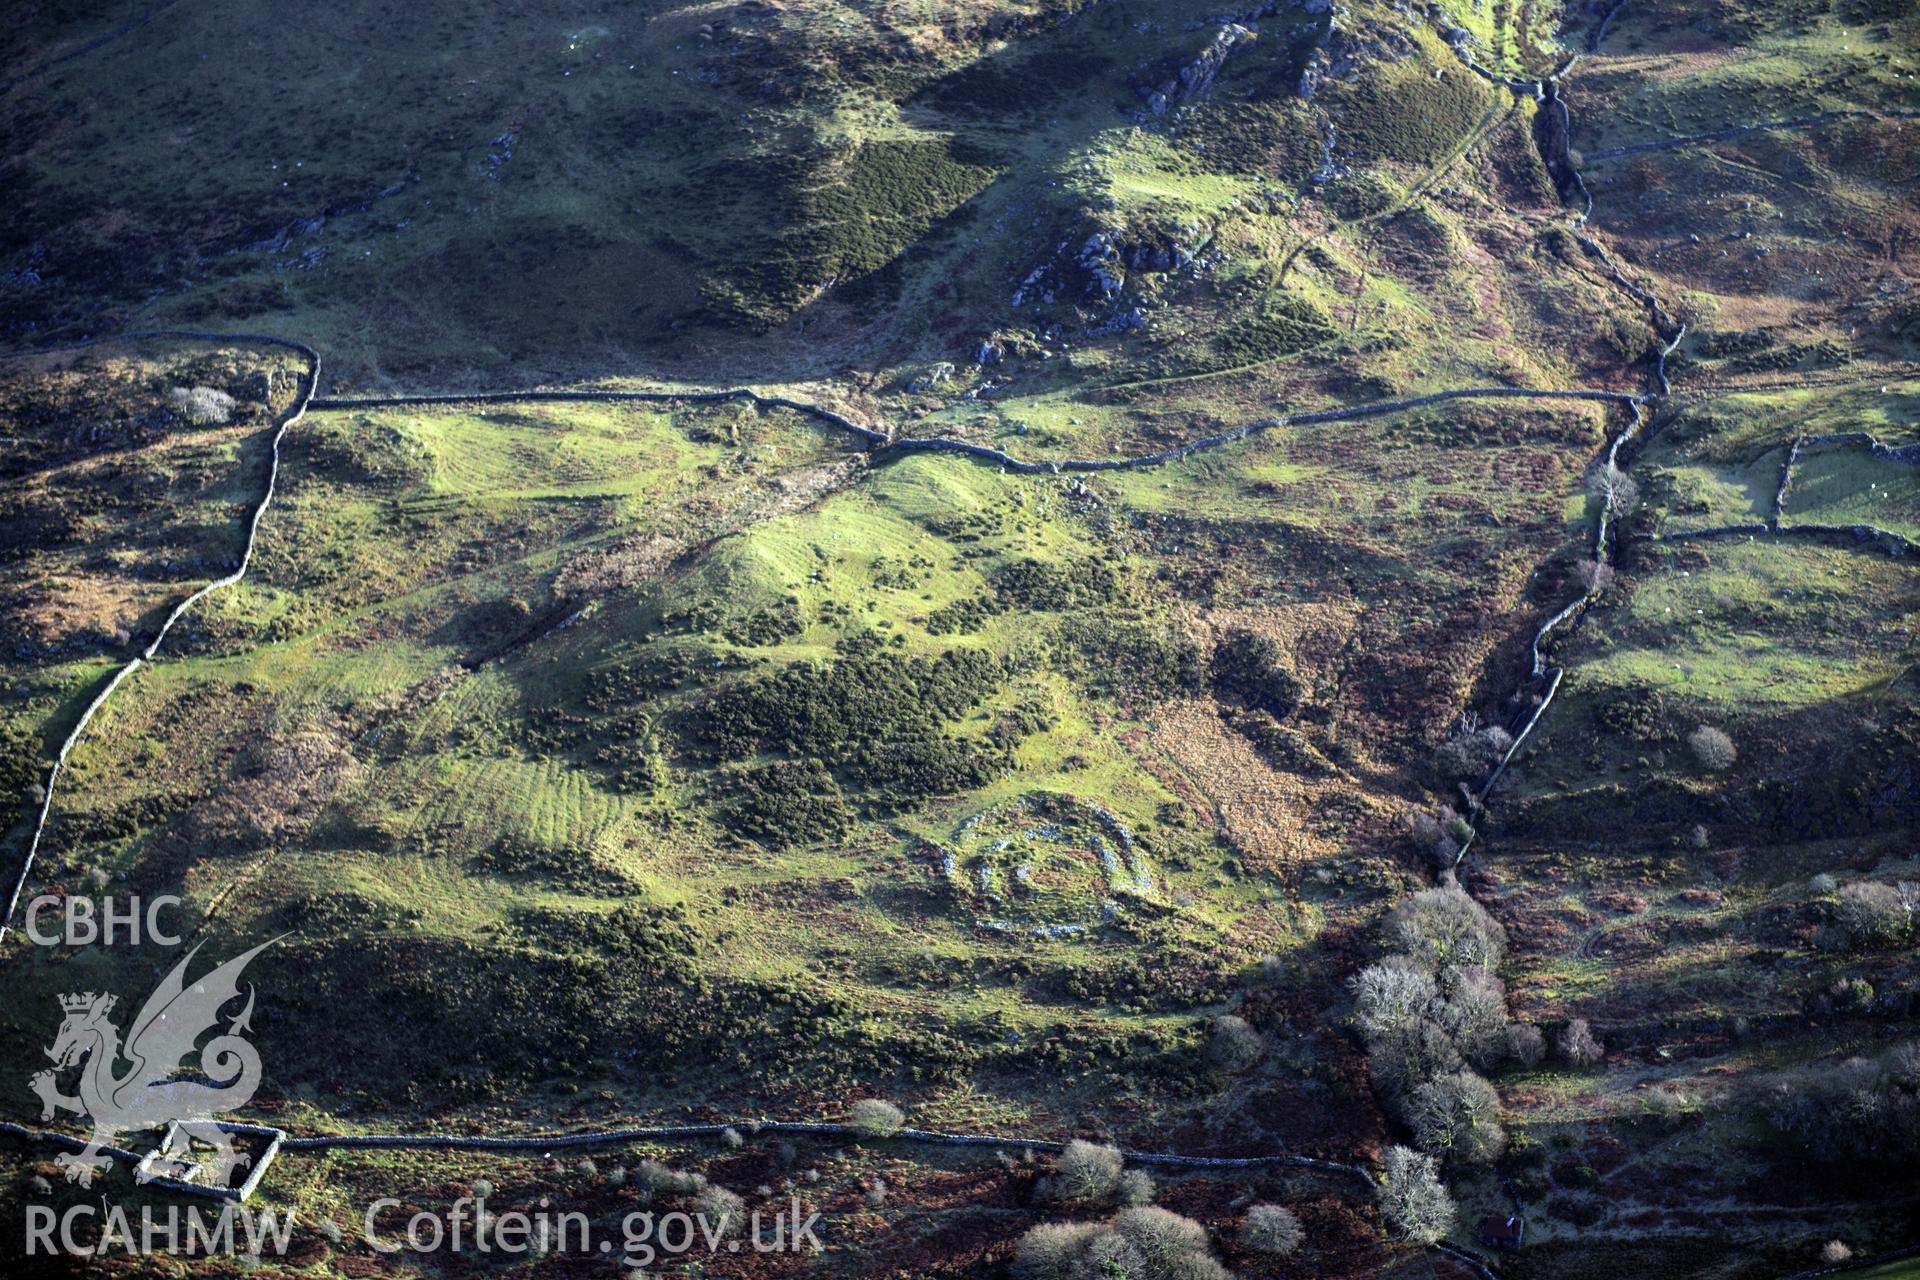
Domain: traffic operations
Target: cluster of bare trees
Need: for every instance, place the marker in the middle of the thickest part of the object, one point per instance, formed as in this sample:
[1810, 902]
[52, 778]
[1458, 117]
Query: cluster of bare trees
[1094, 1174]
[1433, 1012]
[1462, 763]
[1140, 1241]
[1862, 1109]
[1145, 1243]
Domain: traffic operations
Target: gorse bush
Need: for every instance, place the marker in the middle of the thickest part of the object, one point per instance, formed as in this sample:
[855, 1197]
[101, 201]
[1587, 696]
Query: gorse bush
[1251, 669]
[877, 1117]
[790, 802]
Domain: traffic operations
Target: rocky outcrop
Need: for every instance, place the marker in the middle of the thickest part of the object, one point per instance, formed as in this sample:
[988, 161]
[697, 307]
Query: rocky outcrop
[1094, 266]
[1195, 79]
[1346, 48]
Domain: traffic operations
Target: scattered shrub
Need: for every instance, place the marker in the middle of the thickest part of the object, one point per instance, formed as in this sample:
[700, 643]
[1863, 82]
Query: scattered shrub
[202, 406]
[659, 1179]
[1875, 914]
[1233, 1045]
[1712, 749]
[1471, 752]
[1594, 576]
[877, 1118]
[1269, 1228]
[1835, 1252]
[724, 1211]
[1433, 835]
[1851, 995]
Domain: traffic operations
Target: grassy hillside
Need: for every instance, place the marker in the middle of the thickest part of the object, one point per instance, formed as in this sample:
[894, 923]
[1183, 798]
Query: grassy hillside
[604, 763]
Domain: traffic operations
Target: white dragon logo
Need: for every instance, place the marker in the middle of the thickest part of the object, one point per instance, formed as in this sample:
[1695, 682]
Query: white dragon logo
[156, 1087]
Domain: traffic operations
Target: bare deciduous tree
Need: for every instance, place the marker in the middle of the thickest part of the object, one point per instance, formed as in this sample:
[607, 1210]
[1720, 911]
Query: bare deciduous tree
[1444, 929]
[1876, 914]
[1389, 995]
[202, 406]
[1271, 1229]
[1615, 489]
[1088, 1171]
[1413, 1201]
[1458, 1115]
[1578, 1046]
